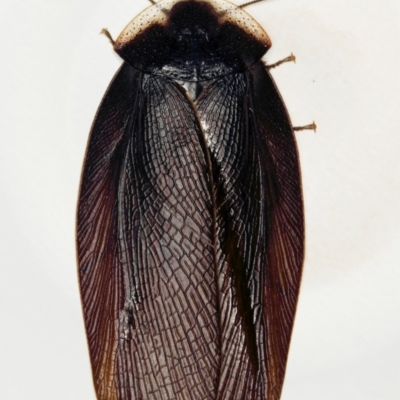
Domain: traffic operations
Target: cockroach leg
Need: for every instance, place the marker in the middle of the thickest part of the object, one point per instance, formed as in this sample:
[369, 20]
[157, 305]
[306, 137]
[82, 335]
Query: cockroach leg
[312, 126]
[291, 58]
[105, 31]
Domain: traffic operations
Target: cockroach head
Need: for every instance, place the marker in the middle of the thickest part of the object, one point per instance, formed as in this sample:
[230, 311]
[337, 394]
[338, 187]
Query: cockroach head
[192, 40]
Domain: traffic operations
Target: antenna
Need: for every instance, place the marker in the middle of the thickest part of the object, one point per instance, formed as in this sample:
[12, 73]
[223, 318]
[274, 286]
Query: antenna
[249, 3]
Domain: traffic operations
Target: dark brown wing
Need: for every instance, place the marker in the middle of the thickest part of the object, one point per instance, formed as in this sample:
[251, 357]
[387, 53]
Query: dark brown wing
[260, 229]
[101, 280]
[189, 290]
[145, 250]
[285, 236]
[234, 142]
[167, 346]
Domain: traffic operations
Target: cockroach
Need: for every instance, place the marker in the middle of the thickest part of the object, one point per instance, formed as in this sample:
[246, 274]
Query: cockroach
[190, 229]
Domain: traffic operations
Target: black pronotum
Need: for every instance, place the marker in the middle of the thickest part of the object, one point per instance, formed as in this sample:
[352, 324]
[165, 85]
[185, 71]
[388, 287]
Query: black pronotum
[190, 216]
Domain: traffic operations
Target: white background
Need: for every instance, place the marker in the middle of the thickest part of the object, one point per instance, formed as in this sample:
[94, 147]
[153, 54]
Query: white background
[54, 70]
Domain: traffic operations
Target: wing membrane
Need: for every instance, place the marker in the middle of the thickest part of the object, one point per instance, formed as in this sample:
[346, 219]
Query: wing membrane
[145, 245]
[260, 229]
[101, 280]
[189, 290]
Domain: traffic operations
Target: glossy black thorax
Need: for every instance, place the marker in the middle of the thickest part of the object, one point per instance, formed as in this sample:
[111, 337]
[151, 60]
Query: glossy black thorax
[193, 44]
